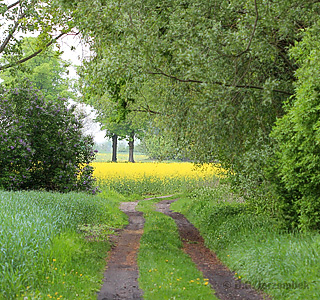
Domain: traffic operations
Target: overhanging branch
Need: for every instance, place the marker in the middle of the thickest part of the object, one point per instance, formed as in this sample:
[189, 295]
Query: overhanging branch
[32, 55]
[242, 86]
[13, 5]
[10, 35]
[253, 30]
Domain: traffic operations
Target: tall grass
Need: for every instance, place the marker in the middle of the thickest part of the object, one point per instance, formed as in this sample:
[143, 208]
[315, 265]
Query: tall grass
[286, 265]
[33, 227]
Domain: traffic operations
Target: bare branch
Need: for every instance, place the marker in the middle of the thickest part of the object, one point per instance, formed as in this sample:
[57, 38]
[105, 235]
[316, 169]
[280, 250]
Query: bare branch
[147, 110]
[244, 73]
[10, 35]
[13, 5]
[176, 78]
[32, 55]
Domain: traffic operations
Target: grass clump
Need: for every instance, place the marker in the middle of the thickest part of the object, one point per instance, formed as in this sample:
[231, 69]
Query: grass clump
[42, 251]
[166, 272]
[286, 265]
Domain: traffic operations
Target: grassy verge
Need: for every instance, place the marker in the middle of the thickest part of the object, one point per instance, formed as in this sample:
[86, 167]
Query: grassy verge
[43, 253]
[285, 265]
[166, 272]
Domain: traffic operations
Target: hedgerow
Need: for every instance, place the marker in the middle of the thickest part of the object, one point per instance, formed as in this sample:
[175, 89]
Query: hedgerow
[298, 139]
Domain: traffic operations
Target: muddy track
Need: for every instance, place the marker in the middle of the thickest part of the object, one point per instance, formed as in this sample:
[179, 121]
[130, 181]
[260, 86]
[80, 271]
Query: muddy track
[121, 276]
[220, 277]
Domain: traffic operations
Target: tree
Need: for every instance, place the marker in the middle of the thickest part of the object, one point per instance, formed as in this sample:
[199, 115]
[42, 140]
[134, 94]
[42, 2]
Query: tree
[224, 69]
[47, 71]
[117, 112]
[131, 145]
[46, 19]
[123, 129]
[218, 72]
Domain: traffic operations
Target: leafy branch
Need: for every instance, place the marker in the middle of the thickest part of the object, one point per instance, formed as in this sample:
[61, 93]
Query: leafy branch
[244, 86]
[33, 54]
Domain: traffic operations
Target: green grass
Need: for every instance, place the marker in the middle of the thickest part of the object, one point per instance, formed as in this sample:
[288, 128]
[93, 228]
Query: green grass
[136, 188]
[121, 156]
[42, 252]
[166, 272]
[45, 254]
[285, 265]
[147, 185]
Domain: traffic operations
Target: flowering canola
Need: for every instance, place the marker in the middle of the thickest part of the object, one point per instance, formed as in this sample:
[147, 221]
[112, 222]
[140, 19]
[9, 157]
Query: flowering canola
[105, 171]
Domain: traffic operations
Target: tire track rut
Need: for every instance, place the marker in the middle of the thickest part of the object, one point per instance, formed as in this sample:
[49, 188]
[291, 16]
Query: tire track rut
[221, 279]
[121, 276]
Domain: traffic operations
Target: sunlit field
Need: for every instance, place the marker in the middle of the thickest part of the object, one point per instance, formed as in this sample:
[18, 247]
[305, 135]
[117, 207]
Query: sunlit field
[154, 177]
[121, 156]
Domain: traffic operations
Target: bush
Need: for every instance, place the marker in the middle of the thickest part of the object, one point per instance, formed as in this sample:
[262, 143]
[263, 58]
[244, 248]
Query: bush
[298, 137]
[42, 145]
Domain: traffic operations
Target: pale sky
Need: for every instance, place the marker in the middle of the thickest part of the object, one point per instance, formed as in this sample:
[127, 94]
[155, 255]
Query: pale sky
[76, 57]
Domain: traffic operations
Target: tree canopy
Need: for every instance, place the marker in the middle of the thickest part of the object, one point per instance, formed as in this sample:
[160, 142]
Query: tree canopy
[220, 75]
[221, 67]
[47, 71]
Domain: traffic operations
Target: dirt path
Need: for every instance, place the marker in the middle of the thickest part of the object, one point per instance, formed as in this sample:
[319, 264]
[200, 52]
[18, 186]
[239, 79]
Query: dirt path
[220, 277]
[121, 277]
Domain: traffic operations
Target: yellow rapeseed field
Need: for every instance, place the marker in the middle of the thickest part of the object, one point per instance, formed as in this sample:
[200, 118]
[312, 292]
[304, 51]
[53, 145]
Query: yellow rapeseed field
[105, 171]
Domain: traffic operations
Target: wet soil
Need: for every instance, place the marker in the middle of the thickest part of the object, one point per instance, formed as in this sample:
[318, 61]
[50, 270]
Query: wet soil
[121, 276]
[221, 279]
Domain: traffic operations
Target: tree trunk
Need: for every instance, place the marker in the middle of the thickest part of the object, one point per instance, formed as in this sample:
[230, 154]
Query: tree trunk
[114, 147]
[131, 147]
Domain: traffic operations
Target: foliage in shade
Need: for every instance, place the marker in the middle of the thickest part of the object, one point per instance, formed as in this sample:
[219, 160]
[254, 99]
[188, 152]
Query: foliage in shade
[42, 145]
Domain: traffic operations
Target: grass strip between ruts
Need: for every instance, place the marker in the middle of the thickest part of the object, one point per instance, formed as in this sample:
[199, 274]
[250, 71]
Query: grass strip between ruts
[165, 271]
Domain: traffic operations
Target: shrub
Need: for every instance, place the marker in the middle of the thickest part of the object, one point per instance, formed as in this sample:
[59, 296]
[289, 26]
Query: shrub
[42, 145]
[298, 137]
